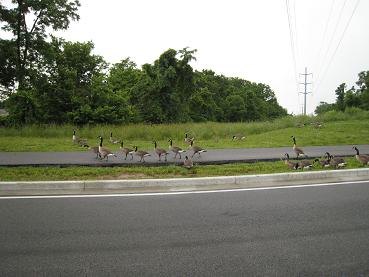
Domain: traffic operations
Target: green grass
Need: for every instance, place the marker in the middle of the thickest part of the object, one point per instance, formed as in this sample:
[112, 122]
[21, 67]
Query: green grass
[337, 129]
[140, 172]
[208, 135]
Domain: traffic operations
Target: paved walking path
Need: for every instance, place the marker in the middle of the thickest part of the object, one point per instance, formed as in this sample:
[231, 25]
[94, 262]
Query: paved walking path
[213, 156]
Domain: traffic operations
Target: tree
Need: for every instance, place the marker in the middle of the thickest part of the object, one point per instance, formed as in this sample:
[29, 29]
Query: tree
[363, 90]
[28, 22]
[7, 67]
[163, 92]
[202, 106]
[66, 85]
[236, 108]
[352, 99]
[324, 107]
[340, 100]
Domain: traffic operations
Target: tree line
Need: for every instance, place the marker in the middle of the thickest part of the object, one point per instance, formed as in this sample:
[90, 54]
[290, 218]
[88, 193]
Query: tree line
[349, 98]
[46, 79]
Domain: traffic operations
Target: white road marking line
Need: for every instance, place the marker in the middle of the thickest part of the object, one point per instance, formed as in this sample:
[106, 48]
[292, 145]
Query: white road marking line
[177, 192]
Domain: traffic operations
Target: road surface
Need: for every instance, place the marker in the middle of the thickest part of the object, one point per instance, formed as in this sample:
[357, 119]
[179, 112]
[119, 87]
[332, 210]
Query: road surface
[213, 156]
[301, 231]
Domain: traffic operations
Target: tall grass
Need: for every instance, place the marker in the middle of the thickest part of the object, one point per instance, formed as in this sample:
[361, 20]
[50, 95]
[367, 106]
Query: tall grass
[204, 131]
[208, 130]
[338, 128]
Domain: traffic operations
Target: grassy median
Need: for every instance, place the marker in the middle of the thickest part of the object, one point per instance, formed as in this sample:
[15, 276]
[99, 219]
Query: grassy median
[140, 172]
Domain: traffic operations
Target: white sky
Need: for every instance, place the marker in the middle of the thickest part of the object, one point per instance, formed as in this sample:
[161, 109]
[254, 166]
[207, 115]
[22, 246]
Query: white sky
[249, 39]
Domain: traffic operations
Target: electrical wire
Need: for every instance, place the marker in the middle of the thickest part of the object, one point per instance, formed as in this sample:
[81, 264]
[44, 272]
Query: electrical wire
[331, 39]
[324, 34]
[339, 43]
[293, 46]
[291, 39]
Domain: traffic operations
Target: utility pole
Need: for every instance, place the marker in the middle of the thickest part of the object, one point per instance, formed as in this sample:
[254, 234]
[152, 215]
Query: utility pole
[305, 83]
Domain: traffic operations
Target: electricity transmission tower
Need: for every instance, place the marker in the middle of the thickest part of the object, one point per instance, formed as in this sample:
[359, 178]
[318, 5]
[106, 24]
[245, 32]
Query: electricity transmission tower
[305, 83]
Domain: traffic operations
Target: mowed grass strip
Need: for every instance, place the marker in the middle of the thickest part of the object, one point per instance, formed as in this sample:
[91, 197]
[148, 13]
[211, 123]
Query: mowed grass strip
[207, 135]
[140, 172]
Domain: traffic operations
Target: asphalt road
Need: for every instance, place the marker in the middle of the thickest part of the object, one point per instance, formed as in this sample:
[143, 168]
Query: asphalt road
[306, 231]
[213, 156]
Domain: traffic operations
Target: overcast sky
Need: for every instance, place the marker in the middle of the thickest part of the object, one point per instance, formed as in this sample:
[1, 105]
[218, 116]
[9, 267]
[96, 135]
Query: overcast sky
[249, 39]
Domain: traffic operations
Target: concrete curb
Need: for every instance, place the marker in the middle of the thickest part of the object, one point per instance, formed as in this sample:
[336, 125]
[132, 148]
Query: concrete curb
[180, 184]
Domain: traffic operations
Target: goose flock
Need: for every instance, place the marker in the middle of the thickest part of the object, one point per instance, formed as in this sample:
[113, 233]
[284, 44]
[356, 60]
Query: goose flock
[327, 160]
[103, 153]
[301, 162]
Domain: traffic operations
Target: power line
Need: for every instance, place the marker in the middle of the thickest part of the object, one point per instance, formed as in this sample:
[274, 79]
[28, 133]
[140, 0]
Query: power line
[339, 43]
[291, 39]
[295, 29]
[292, 42]
[332, 37]
[324, 33]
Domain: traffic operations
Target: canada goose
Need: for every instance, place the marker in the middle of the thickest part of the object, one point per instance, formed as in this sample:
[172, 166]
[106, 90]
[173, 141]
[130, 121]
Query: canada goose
[239, 137]
[113, 140]
[160, 151]
[104, 152]
[95, 149]
[287, 162]
[187, 139]
[196, 149]
[142, 154]
[126, 150]
[316, 124]
[187, 163]
[304, 164]
[80, 141]
[322, 163]
[364, 159]
[336, 162]
[74, 137]
[299, 152]
[175, 149]
[83, 143]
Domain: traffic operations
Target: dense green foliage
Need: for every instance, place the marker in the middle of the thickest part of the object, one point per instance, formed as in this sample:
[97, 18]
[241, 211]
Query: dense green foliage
[48, 80]
[349, 99]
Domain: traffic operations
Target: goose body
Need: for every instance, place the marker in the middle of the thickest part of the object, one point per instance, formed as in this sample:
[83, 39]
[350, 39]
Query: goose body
[80, 141]
[188, 139]
[126, 151]
[336, 162]
[289, 164]
[196, 149]
[160, 151]
[175, 149]
[187, 163]
[95, 149]
[299, 152]
[142, 154]
[74, 137]
[305, 164]
[113, 140]
[239, 137]
[364, 159]
[322, 163]
[104, 152]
